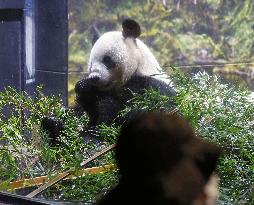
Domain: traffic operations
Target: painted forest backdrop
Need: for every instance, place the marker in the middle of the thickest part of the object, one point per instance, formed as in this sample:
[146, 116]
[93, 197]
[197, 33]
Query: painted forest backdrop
[193, 35]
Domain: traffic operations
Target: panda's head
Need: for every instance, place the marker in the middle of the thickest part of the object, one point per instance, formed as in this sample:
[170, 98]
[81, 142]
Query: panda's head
[115, 56]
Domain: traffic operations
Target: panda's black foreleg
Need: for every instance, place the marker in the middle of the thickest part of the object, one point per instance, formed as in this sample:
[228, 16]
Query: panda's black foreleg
[53, 128]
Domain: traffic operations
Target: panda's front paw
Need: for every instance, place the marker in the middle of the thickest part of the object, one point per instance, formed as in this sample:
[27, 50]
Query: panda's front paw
[53, 127]
[86, 84]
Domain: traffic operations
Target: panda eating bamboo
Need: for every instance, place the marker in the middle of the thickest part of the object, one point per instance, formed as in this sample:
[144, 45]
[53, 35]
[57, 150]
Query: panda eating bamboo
[119, 65]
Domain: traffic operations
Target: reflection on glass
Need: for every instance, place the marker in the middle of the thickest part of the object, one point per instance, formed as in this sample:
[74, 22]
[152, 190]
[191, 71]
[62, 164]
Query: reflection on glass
[29, 42]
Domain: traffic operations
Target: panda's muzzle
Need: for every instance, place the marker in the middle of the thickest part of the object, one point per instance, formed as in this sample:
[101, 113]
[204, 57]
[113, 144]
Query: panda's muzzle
[94, 77]
[86, 84]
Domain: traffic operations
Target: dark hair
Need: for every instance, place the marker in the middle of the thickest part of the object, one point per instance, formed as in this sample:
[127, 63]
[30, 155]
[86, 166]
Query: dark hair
[162, 161]
[162, 143]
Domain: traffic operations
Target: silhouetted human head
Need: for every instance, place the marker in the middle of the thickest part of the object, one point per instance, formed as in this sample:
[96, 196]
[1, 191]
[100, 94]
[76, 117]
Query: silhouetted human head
[163, 161]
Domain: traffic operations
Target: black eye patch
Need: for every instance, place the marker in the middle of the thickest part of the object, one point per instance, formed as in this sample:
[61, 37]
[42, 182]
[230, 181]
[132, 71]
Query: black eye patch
[108, 62]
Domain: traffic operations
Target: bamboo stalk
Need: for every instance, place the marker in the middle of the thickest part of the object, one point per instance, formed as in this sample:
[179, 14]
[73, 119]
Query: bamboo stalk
[25, 183]
[67, 173]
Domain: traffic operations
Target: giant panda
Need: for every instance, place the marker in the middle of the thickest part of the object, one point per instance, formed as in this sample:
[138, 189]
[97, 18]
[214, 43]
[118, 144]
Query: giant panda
[117, 56]
[119, 65]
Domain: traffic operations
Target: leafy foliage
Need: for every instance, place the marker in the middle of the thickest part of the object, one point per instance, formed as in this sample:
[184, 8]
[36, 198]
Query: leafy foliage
[219, 112]
[87, 188]
[25, 148]
[19, 121]
[148, 101]
[223, 114]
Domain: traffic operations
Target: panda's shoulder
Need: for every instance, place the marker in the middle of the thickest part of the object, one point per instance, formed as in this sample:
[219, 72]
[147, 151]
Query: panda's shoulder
[139, 83]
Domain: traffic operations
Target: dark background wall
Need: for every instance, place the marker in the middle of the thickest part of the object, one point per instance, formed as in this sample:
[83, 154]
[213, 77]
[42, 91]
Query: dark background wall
[46, 45]
[51, 34]
[11, 44]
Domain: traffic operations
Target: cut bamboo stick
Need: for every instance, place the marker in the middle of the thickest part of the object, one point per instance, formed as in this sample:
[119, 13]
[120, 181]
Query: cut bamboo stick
[67, 173]
[25, 183]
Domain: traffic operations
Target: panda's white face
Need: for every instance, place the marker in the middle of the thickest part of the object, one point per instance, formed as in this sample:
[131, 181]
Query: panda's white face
[113, 60]
[117, 56]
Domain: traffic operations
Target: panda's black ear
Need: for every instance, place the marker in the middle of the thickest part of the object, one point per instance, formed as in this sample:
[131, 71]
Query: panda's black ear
[131, 28]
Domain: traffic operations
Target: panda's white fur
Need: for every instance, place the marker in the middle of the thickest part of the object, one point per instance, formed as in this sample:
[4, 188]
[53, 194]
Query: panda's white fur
[131, 55]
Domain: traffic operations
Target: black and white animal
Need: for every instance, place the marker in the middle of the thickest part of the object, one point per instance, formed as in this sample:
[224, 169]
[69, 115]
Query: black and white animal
[120, 64]
[117, 56]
